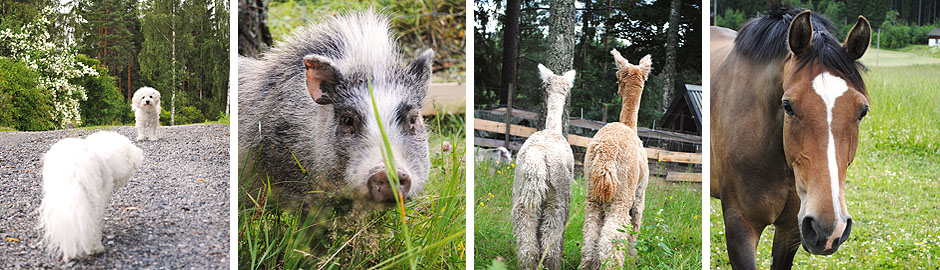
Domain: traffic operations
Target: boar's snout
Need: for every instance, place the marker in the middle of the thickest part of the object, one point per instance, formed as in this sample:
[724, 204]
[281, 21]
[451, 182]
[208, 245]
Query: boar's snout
[380, 189]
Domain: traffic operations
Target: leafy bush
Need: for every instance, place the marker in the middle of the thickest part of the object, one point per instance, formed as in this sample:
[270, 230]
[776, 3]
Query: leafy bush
[105, 104]
[732, 19]
[23, 105]
[190, 115]
[164, 116]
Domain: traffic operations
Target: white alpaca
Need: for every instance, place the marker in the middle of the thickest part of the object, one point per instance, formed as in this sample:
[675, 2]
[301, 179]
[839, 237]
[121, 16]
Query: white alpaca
[78, 177]
[616, 175]
[146, 105]
[542, 184]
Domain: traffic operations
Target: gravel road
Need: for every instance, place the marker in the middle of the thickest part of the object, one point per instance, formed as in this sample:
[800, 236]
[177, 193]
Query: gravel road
[173, 214]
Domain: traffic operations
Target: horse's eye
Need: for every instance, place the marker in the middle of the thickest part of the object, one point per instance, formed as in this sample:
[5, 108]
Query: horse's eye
[787, 107]
[862, 112]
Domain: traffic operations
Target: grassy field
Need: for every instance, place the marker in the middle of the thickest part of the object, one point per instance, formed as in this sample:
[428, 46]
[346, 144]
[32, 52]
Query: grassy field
[429, 236]
[892, 188]
[669, 239]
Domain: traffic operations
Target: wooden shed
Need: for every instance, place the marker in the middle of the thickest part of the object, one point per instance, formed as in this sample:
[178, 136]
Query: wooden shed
[684, 114]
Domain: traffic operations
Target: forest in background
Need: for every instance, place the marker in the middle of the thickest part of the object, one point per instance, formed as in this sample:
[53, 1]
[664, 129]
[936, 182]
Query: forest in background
[635, 28]
[77, 63]
[902, 22]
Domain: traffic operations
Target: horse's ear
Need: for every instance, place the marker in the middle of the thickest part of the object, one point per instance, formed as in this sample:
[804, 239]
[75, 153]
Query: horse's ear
[856, 43]
[321, 79]
[800, 34]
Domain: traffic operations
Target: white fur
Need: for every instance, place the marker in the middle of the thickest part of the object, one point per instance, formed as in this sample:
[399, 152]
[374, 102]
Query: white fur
[830, 88]
[542, 183]
[146, 105]
[78, 177]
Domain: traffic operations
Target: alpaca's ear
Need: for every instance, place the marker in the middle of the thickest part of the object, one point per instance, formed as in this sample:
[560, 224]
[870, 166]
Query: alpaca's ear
[545, 73]
[621, 62]
[322, 78]
[569, 76]
[646, 63]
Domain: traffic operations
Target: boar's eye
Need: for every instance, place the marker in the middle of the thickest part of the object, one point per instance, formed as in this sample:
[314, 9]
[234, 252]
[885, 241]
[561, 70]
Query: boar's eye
[347, 121]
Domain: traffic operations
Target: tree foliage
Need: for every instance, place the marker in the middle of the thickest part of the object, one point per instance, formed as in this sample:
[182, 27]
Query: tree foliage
[902, 23]
[635, 28]
[89, 56]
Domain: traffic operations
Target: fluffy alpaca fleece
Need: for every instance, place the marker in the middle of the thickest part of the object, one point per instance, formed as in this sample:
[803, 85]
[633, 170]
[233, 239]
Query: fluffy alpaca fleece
[146, 107]
[78, 177]
[616, 175]
[542, 184]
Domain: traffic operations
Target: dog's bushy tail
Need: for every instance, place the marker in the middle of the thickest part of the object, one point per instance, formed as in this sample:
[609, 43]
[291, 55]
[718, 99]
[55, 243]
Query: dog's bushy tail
[72, 208]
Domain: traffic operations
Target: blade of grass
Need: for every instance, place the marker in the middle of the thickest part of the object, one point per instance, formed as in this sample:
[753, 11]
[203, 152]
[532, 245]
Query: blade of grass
[392, 175]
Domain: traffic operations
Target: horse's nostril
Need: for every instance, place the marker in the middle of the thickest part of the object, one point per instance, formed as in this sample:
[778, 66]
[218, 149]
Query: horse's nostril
[808, 229]
[847, 232]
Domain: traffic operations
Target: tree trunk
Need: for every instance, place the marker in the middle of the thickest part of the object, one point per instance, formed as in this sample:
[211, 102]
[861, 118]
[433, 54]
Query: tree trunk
[560, 48]
[173, 71]
[510, 48]
[252, 27]
[672, 40]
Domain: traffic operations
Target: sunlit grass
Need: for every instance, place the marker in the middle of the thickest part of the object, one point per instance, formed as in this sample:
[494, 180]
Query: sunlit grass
[670, 237]
[892, 187]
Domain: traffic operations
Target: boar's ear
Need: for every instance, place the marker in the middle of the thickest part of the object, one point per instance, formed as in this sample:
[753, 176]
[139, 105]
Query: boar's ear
[321, 79]
[420, 68]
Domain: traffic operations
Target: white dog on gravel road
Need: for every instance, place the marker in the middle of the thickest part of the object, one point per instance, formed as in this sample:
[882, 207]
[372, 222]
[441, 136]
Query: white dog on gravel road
[146, 107]
[78, 177]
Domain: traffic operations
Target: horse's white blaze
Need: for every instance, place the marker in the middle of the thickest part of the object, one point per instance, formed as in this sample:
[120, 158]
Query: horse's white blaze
[829, 88]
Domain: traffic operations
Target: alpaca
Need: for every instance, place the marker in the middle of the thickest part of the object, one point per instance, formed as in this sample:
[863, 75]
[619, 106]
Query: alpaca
[616, 175]
[542, 184]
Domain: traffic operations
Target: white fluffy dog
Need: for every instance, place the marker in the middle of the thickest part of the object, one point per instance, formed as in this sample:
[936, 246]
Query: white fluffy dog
[146, 107]
[78, 177]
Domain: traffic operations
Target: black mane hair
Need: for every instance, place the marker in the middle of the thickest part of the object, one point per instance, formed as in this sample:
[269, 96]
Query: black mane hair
[765, 39]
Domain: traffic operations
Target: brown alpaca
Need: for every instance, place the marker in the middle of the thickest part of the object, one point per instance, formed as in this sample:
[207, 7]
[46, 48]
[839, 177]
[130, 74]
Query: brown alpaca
[616, 174]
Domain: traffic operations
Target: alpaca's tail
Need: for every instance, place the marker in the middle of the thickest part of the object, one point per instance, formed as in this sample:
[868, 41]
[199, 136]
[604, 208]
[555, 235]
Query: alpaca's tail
[604, 179]
[70, 213]
[532, 179]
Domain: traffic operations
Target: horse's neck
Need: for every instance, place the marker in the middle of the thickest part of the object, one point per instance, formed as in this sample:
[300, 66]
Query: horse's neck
[555, 109]
[631, 104]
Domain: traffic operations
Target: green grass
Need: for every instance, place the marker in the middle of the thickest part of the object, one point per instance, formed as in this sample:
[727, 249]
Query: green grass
[913, 55]
[893, 186]
[669, 239]
[424, 233]
[411, 21]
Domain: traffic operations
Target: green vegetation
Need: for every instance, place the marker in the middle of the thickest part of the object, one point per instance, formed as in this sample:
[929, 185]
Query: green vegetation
[670, 237]
[892, 187]
[23, 106]
[438, 25]
[901, 24]
[86, 58]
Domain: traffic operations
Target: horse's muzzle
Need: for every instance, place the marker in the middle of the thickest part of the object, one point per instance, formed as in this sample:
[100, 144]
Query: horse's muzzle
[823, 239]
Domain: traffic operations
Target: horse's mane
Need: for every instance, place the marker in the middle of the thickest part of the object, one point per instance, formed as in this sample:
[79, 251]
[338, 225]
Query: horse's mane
[765, 39]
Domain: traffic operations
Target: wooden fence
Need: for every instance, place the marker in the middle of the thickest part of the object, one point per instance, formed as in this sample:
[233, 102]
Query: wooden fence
[581, 141]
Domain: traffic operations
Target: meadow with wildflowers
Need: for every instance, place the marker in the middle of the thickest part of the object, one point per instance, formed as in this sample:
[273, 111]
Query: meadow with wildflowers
[670, 237]
[892, 187]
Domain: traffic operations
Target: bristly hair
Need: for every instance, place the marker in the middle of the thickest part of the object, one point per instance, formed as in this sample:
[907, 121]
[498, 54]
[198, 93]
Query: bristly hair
[765, 39]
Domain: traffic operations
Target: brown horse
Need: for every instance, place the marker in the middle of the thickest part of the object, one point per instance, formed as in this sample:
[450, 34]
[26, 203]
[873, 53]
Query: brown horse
[787, 99]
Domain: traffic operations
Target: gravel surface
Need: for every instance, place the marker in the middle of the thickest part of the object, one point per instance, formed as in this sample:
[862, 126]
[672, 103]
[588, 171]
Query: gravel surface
[173, 214]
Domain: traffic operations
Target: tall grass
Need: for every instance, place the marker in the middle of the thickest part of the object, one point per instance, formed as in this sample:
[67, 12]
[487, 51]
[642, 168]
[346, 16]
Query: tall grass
[670, 237]
[892, 187]
[424, 233]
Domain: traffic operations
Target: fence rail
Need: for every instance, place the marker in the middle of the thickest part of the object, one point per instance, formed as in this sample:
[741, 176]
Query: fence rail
[581, 141]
